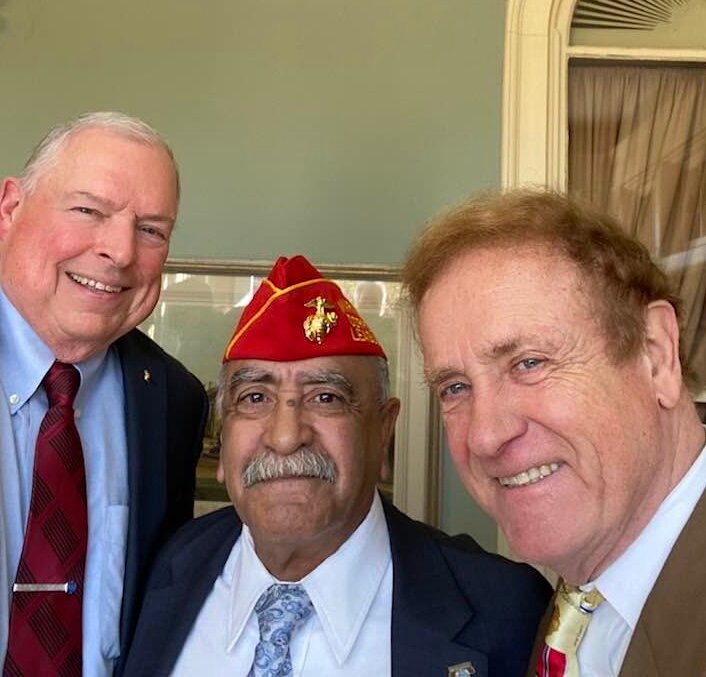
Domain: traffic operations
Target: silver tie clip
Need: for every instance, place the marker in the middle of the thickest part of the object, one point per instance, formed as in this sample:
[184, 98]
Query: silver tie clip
[69, 587]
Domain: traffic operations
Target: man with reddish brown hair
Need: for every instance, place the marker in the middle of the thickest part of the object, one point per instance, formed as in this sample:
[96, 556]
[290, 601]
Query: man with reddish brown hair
[552, 342]
[307, 418]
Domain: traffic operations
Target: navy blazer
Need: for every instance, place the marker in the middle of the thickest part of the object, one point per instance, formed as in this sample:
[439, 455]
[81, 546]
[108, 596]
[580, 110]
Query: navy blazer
[452, 601]
[165, 414]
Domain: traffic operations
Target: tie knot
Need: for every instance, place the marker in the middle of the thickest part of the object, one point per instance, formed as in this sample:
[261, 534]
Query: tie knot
[61, 384]
[584, 601]
[280, 609]
[572, 613]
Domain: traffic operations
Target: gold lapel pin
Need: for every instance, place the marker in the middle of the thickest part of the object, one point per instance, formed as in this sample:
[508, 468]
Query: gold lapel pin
[147, 376]
[462, 670]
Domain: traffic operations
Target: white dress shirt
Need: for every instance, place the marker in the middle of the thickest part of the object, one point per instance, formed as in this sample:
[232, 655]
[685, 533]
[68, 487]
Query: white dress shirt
[627, 582]
[348, 633]
[24, 360]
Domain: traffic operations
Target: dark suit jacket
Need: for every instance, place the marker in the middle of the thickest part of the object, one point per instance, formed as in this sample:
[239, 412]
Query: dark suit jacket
[452, 601]
[165, 414]
[670, 637]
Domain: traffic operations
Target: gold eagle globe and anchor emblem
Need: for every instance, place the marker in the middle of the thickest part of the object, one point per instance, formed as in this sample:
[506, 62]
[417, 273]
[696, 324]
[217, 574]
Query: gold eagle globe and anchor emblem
[319, 324]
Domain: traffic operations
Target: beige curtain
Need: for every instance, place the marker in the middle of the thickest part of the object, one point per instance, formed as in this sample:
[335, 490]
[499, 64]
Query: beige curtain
[637, 148]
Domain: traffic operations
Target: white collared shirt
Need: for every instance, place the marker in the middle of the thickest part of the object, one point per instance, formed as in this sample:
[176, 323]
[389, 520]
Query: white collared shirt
[627, 582]
[349, 633]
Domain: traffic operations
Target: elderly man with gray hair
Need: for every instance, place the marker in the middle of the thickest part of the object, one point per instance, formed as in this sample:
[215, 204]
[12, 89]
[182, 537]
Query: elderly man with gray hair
[100, 430]
[316, 574]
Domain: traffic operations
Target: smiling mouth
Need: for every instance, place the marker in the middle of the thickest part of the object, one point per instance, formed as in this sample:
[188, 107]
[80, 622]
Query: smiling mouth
[529, 476]
[94, 284]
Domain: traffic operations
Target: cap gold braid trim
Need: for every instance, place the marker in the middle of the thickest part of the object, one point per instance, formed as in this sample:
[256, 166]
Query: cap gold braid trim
[276, 293]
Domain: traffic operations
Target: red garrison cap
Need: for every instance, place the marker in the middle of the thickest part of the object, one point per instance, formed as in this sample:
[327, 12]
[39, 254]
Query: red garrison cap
[296, 314]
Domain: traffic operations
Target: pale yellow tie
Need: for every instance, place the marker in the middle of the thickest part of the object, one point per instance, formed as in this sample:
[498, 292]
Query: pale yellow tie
[572, 613]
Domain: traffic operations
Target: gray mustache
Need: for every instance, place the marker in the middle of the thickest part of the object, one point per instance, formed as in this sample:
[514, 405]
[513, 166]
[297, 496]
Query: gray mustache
[304, 462]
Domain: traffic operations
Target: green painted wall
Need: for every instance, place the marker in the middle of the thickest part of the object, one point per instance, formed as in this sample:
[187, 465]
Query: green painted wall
[322, 126]
[459, 513]
[327, 126]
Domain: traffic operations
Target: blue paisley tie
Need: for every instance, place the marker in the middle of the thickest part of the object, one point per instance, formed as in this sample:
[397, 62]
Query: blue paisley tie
[280, 609]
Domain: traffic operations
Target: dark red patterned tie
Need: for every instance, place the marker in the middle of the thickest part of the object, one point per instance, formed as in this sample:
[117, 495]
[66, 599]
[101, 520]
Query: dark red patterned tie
[45, 617]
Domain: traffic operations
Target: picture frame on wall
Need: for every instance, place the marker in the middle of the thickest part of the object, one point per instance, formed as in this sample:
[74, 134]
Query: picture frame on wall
[200, 304]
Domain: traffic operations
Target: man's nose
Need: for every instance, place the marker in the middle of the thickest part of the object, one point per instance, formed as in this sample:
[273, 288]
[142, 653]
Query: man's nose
[495, 419]
[117, 241]
[287, 428]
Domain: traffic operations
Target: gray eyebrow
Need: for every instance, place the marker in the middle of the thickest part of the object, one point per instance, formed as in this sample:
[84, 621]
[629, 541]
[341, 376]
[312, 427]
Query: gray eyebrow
[326, 377]
[110, 204]
[315, 377]
[250, 375]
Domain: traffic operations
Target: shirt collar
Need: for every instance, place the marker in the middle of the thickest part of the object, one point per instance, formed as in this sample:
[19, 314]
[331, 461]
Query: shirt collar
[627, 582]
[341, 590]
[25, 358]
[249, 579]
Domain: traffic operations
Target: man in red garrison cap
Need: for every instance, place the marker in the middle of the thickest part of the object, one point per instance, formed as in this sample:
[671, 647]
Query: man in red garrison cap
[314, 573]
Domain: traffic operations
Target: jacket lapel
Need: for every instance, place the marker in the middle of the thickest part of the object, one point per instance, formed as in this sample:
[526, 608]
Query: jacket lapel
[669, 638]
[144, 384]
[178, 590]
[429, 612]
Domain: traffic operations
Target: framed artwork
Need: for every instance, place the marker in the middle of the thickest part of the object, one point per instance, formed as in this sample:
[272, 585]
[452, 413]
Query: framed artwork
[200, 304]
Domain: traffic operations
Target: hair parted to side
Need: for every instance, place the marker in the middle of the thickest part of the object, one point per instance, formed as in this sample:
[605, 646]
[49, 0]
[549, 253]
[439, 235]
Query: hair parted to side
[45, 153]
[622, 278]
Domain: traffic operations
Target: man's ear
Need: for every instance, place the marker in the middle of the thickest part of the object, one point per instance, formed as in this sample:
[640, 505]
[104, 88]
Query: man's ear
[11, 195]
[662, 344]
